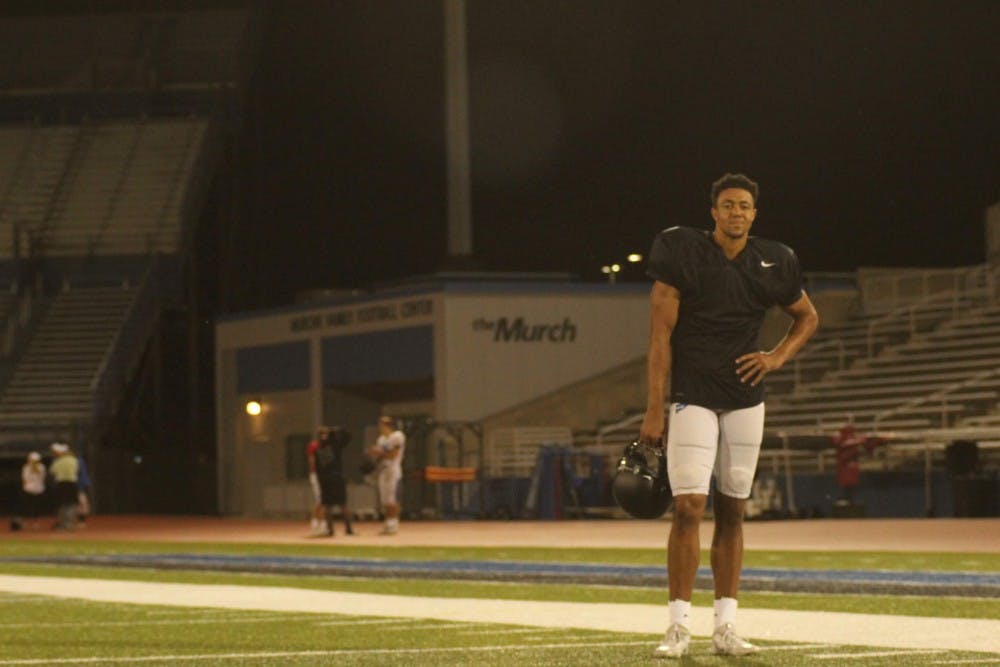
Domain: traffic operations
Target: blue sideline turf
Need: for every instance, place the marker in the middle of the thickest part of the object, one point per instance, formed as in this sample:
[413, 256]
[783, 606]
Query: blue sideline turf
[771, 579]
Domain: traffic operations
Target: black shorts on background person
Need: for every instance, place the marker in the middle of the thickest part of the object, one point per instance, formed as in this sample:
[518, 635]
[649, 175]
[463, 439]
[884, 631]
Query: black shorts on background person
[329, 457]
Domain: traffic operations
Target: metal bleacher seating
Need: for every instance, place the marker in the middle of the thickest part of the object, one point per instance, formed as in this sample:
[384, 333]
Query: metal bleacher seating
[108, 196]
[6, 300]
[52, 386]
[34, 161]
[99, 189]
[114, 131]
[929, 367]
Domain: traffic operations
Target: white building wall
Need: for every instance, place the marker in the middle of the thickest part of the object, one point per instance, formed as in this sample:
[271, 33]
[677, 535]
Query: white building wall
[494, 349]
[503, 350]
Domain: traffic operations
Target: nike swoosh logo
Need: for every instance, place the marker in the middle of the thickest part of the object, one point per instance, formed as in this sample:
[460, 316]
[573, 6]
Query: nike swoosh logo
[767, 265]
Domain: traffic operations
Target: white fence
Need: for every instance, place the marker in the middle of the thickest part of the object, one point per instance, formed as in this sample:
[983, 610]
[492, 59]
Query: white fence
[511, 452]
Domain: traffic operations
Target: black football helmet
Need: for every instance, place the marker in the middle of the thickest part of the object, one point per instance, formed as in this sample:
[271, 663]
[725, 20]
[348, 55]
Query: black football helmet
[640, 486]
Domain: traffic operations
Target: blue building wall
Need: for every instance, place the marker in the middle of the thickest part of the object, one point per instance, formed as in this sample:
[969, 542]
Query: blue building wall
[279, 367]
[381, 356]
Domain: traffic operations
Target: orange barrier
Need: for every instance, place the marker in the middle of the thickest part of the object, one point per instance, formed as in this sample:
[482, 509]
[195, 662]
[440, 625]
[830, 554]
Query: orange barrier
[442, 474]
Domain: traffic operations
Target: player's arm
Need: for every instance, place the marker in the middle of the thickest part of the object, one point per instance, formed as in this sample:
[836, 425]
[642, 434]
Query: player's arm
[754, 366]
[376, 453]
[395, 447]
[664, 302]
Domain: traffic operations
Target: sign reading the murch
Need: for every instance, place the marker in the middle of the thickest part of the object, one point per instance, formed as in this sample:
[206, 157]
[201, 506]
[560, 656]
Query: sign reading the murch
[519, 330]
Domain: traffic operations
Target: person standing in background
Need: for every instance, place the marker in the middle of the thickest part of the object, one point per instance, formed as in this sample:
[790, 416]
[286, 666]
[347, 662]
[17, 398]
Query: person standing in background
[329, 464]
[65, 471]
[317, 516]
[387, 453]
[32, 492]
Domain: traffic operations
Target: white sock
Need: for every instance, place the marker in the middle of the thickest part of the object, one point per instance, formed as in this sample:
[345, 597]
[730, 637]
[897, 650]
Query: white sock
[725, 611]
[680, 612]
[392, 524]
[314, 524]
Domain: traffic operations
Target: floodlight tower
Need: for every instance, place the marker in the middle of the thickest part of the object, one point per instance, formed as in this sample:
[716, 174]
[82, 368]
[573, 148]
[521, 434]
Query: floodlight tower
[456, 114]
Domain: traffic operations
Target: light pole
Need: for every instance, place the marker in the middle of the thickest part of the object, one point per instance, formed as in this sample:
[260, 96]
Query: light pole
[612, 270]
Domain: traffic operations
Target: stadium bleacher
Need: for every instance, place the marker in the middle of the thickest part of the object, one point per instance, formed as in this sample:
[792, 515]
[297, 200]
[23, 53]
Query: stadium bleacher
[125, 50]
[113, 188]
[931, 379]
[105, 123]
[52, 383]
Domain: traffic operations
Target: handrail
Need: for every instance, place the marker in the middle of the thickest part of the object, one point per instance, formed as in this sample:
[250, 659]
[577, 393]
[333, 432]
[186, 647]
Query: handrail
[954, 279]
[115, 196]
[202, 164]
[811, 351]
[184, 171]
[620, 424]
[910, 311]
[21, 319]
[125, 349]
[934, 396]
[69, 170]
[16, 318]
[23, 157]
[113, 349]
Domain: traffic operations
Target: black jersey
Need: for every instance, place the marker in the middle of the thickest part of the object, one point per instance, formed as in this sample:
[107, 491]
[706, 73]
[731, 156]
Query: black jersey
[722, 307]
[329, 460]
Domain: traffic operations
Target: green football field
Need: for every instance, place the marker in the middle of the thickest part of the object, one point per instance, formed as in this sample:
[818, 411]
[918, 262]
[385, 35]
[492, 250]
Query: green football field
[53, 630]
[45, 630]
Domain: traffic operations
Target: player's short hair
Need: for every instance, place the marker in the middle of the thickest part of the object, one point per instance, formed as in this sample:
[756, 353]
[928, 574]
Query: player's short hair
[387, 420]
[741, 181]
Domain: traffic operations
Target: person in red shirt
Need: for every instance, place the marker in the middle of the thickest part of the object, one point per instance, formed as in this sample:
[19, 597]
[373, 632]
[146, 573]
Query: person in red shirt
[317, 522]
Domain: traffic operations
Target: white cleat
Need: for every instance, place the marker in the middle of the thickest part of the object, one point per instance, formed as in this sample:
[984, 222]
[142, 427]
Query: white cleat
[675, 642]
[725, 641]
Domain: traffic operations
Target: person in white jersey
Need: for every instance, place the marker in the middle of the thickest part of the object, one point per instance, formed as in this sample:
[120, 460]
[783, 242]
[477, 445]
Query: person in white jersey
[32, 492]
[387, 453]
[710, 293]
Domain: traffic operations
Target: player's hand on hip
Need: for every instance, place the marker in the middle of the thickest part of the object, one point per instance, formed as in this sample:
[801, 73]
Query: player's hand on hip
[651, 431]
[754, 366]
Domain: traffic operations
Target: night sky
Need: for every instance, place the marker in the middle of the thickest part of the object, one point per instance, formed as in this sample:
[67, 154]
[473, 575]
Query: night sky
[872, 128]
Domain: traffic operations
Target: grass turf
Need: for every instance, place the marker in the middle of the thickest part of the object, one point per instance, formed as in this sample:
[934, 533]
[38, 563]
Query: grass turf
[39, 630]
[125, 634]
[986, 608]
[840, 560]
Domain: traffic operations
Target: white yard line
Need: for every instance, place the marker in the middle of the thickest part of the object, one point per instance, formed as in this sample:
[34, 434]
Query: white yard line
[200, 620]
[493, 631]
[872, 654]
[904, 632]
[368, 621]
[212, 657]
